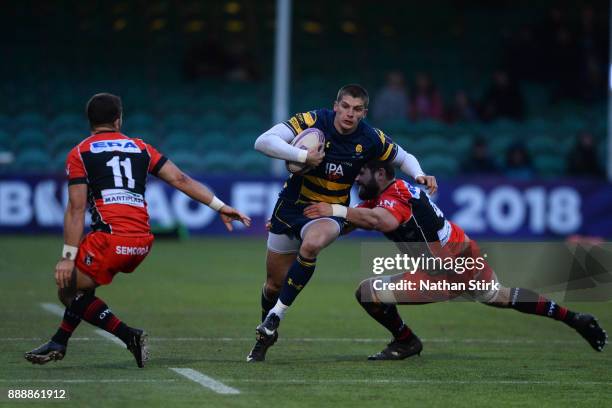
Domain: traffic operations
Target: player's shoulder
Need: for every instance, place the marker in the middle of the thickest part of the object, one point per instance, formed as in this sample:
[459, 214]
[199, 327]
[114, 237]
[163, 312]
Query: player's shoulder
[371, 133]
[110, 142]
[401, 189]
[313, 118]
[82, 146]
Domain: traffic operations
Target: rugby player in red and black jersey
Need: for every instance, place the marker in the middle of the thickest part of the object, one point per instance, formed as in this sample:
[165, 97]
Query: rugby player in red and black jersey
[406, 215]
[108, 172]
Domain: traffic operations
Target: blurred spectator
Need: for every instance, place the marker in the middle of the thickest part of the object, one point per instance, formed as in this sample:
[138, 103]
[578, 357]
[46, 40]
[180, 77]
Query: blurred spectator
[242, 63]
[582, 159]
[565, 62]
[479, 161]
[503, 99]
[551, 24]
[518, 163]
[593, 86]
[206, 59]
[462, 109]
[593, 42]
[211, 59]
[593, 33]
[523, 57]
[425, 100]
[391, 102]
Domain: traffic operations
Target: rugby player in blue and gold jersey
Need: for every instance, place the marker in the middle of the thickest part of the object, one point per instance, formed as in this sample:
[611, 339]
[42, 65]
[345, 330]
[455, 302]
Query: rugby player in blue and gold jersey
[294, 241]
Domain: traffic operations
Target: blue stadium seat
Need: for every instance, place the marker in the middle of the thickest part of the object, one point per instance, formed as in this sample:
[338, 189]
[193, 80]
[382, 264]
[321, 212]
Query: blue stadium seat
[32, 160]
[58, 160]
[433, 144]
[429, 126]
[539, 125]
[140, 120]
[249, 122]
[213, 141]
[499, 143]
[66, 140]
[5, 123]
[177, 122]
[150, 136]
[549, 165]
[30, 138]
[542, 144]
[211, 121]
[503, 126]
[30, 120]
[219, 162]
[397, 126]
[188, 161]
[68, 121]
[179, 141]
[5, 139]
[252, 162]
[441, 164]
[461, 145]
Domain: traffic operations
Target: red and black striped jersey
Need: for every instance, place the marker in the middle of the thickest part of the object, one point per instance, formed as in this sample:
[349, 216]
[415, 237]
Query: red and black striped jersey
[419, 217]
[115, 169]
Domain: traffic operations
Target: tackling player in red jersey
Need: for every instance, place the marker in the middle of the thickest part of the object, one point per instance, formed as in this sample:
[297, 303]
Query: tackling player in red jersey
[108, 172]
[405, 214]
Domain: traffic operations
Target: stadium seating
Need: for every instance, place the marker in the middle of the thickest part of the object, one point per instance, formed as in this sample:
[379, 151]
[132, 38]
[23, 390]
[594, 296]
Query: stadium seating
[214, 118]
[32, 160]
[29, 138]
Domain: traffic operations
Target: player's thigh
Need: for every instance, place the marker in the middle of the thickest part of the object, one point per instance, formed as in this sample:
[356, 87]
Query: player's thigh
[84, 282]
[319, 233]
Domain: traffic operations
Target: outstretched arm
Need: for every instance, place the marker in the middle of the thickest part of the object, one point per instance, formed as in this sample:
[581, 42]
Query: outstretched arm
[376, 218]
[409, 164]
[275, 143]
[74, 221]
[172, 175]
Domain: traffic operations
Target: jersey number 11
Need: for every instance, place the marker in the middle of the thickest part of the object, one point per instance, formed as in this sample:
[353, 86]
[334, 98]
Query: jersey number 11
[116, 165]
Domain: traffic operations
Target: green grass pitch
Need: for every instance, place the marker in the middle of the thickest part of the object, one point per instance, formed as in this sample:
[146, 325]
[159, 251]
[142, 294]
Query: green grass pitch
[199, 301]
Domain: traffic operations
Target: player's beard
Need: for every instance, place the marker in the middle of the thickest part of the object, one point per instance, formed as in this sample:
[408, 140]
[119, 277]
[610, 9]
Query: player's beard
[369, 190]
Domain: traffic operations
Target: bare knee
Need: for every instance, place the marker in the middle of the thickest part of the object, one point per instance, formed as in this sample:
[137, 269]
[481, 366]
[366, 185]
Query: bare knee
[365, 292]
[310, 248]
[501, 298]
[272, 287]
[318, 236]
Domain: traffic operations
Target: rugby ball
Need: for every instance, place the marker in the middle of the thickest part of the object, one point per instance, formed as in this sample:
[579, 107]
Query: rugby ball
[308, 139]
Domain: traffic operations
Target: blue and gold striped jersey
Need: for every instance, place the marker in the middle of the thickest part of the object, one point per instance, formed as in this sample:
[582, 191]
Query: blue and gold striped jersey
[331, 181]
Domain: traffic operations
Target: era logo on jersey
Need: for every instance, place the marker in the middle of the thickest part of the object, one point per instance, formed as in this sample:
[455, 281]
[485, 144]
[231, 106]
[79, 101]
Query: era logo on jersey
[386, 203]
[121, 145]
[334, 171]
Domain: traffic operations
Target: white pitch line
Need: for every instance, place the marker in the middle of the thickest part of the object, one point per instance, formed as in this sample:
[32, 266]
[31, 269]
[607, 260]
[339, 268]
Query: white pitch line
[110, 337]
[53, 308]
[366, 340]
[308, 340]
[205, 381]
[58, 311]
[413, 381]
[78, 381]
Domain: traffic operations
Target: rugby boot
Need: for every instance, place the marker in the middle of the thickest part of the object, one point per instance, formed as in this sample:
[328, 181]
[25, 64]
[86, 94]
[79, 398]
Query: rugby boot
[50, 351]
[588, 327]
[137, 345]
[399, 349]
[266, 335]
